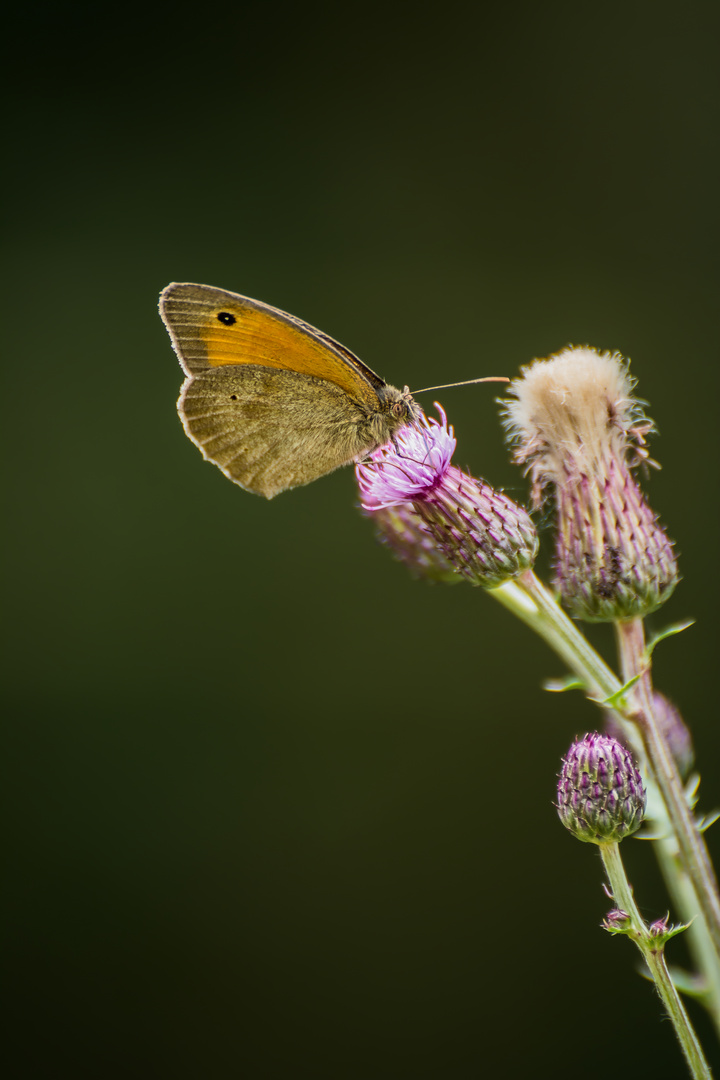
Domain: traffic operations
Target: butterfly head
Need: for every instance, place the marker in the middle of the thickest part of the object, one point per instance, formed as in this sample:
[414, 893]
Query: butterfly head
[395, 410]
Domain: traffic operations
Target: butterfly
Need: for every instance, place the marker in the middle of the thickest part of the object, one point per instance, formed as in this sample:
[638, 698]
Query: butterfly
[270, 400]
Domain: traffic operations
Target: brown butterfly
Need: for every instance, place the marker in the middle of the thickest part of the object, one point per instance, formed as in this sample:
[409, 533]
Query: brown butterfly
[270, 400]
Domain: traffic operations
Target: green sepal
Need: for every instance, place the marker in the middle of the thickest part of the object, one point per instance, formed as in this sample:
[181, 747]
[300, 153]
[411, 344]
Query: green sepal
[627, 928]
[671, 932]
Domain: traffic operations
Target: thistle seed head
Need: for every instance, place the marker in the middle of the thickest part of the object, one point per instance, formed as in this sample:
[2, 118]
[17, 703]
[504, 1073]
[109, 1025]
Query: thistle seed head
[577, 428]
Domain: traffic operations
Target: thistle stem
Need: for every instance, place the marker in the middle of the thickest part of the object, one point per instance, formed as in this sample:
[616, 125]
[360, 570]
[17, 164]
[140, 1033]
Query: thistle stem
[692, 848]
[705, 986]
[528, 598]
[653, 952]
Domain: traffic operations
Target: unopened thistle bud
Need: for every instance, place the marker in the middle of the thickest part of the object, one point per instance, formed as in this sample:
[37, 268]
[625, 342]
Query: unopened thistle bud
[617, 921]
[671, 726]
[477, 532]
[601, 798]
[575, 424]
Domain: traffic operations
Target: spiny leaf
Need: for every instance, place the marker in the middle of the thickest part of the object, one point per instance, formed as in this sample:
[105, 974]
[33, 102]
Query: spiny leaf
[669, 631]
[707, 820]
[559, 686]
[618, 698]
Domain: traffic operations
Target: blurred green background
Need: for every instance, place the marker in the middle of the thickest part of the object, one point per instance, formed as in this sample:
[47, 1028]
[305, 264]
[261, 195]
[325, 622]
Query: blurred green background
[280, 810]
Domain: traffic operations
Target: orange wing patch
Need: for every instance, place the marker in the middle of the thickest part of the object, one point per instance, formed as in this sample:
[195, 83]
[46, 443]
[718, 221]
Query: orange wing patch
[211, 328]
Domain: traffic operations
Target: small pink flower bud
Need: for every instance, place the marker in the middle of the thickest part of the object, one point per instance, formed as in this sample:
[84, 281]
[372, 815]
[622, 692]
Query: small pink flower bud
[660, 926]
[616, 921]
[671, 726]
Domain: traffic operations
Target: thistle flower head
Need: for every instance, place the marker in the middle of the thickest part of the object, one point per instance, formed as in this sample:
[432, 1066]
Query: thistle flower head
[570, 411]
[403, 531]
[576, 426]
[410, 467]
[437, 518]
[672, 727]
[601, 798]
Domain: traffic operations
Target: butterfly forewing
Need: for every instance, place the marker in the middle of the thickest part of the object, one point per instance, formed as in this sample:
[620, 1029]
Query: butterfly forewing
[213, 328]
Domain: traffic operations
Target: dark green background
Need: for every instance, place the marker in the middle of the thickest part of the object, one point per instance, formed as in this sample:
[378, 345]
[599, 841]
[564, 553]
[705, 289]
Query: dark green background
[280, 810]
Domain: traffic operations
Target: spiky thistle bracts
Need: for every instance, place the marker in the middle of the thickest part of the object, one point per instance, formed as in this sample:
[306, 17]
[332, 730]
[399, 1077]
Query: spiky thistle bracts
[478, 532]
[575, 425]
[600, 792]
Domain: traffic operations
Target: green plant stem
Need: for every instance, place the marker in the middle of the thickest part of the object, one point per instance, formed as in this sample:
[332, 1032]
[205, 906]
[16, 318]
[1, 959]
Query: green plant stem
[691, 844]
[528, 598]
[653, 952]
[705, 987]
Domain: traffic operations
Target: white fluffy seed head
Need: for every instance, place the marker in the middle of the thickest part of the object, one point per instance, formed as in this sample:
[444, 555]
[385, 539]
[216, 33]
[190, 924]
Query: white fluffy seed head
[569, 413]
[578, 429]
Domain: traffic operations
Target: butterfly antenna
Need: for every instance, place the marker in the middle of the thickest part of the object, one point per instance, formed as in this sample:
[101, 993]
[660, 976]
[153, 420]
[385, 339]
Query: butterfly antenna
[466, 382]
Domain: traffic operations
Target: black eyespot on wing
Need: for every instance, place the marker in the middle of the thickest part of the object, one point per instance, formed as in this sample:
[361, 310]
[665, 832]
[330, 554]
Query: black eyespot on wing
[226, 318]
[233, 397]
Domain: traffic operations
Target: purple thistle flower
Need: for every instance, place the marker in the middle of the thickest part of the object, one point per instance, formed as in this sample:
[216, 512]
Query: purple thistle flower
[438, 519]
[601, 798]
[411, 467]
